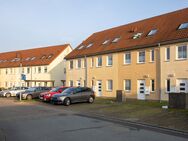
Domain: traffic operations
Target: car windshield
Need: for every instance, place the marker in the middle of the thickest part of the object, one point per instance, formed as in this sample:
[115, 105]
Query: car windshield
[31, 89]
[69, 90]
[55, 89]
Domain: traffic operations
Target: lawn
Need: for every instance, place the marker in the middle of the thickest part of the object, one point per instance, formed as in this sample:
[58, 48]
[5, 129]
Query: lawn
[149, 112]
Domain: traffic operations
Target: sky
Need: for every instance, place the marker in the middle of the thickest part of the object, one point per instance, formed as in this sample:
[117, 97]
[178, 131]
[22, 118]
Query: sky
[26, 24]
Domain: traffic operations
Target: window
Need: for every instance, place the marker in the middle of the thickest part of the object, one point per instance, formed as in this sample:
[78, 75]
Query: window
[45, 69]
[6, 71]
[71, 83]
[109, 85]
[71, 64]
[109, 60]
[183, 26]
[99, 61]
[43, 57]
[28, 70]
[79, 63]
[127, 85]
[137, 35]
[39, 69]
[152, 85]
[92, 62]
[152, 55]
[127, 58]
[141, 57]
[33, 58]
[84, 63]
[168, 85]
[116, 40]
[167, 52]
[152, 32]
[89, 45]
[64, 70]
[105, 42]
[22, 70]
[82, 46]
[182, 52]
[50, 56]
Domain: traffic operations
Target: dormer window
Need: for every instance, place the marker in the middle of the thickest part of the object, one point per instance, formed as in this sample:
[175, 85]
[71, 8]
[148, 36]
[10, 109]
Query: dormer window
[33, 58]
[183, 26]
[28, 58]
[43, 57]
[116, 40]
[137, 35]
[105, 42]
[89, 45]
[82, 46]
[152, 32]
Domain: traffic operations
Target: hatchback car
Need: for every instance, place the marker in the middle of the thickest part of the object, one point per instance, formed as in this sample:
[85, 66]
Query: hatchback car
[73, 95]
[46, 96]
[33, 92]
[12, 91]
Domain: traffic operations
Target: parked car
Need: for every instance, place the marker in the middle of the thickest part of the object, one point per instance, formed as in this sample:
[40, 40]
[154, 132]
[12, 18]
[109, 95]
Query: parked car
[12, 91]
[73, 95]
[46, 96]
[33, 92]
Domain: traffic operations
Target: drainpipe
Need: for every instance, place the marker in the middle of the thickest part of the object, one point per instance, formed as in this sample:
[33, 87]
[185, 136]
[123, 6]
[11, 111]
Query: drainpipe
[159, 72]
[85, 59]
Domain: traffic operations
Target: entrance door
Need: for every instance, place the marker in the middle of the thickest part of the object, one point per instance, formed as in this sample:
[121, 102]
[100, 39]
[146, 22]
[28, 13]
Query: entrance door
[182, 85]
[141, 89]
[99, 88]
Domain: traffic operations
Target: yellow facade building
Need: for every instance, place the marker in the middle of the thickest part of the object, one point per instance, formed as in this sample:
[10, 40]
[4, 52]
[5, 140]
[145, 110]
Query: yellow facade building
[146, 59]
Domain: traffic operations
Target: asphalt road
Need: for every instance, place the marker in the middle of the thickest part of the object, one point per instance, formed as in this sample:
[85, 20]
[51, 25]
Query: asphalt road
[34, 122]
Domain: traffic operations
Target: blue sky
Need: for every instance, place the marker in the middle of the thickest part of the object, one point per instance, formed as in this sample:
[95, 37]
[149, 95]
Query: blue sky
[36, 23]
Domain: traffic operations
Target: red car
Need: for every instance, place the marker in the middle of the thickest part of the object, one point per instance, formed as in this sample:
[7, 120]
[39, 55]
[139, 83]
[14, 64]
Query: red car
[46, 96]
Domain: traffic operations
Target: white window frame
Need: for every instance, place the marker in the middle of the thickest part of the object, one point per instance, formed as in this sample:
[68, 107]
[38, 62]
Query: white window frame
[177, 53]
[152, 55]
[92, 62]
[126, 53]
[97, 64]
[107, 60]
[77, 62]
[70, 64]
[70, 83]
[166, 52]
[138, 57]
[109, 85]
[125, 82]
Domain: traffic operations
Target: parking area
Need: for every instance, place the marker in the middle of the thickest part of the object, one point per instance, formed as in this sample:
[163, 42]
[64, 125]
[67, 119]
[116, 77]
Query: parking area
[30, 121]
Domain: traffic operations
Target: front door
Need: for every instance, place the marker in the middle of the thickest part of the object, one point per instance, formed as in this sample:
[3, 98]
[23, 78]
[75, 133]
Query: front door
[141, 89]
[182, 85]
[99, 88]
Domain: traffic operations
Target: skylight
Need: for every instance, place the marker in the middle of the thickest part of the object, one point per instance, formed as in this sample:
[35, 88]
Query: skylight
[183, 26]
[137, 35]
[81, 47]
[89, 45]
[15, 60]
[152, 32]
[33, 58]
[50, 56]
[28, 58]
[43, 57]
[105, 42]
[116, 40]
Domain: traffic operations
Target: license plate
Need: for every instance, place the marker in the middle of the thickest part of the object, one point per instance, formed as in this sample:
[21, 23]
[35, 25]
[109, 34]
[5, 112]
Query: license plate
[41, 97]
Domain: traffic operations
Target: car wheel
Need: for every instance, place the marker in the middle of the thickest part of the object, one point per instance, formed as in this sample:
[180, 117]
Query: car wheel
[67, 102]
[8, 95]
[29, 97]
[91, 99]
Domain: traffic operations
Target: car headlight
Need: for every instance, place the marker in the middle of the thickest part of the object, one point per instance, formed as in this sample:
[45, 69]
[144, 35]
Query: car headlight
[61, 98]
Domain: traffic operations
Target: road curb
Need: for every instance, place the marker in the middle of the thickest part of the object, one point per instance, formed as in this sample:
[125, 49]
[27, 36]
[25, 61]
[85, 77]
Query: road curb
[137, 125]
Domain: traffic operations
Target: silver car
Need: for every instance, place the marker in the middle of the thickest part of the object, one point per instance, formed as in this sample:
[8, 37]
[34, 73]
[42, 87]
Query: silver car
[12, 91]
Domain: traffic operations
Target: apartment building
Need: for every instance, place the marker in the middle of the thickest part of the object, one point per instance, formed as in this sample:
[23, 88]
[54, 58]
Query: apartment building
[146, 59]
[44, 66]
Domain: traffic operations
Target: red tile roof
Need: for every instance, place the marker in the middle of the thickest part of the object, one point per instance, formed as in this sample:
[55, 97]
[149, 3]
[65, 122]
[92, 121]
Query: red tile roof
[31, 57]
[167, 32]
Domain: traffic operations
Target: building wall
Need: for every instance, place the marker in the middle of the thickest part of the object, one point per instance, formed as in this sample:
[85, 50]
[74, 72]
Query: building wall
[55, 71]
[173, 69]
